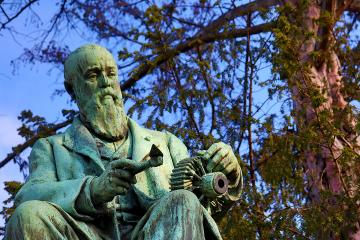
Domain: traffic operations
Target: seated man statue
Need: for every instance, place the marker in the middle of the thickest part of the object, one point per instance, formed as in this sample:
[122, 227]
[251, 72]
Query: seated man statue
[76, 175]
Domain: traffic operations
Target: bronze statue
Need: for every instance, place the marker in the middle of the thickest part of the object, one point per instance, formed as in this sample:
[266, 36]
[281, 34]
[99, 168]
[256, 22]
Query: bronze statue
[106, 177]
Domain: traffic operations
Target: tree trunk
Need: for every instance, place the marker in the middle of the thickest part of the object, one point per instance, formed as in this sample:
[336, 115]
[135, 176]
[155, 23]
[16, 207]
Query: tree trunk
[327, 167]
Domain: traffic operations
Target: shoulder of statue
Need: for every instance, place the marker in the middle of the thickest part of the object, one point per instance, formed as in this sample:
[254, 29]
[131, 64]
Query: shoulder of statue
[56, 139]
[145, 131]
[44, 146]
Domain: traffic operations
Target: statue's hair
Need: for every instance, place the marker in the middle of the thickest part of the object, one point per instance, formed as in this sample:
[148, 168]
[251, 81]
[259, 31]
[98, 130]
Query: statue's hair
[71, 60]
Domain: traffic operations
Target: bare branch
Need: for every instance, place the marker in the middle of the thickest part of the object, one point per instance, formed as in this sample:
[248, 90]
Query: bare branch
[2, 9]
[55, 20]
[10, 19]
[108, 30]
[175, 74]
[209, 91]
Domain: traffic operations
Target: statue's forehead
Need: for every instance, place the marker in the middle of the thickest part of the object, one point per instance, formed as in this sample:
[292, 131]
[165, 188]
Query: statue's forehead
[93, 57]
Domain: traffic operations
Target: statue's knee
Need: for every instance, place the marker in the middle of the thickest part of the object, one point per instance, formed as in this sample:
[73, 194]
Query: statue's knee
[30, 211]
[185, 197]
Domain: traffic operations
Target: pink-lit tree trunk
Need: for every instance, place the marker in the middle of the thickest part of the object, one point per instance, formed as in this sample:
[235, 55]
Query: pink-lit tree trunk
[323, 168]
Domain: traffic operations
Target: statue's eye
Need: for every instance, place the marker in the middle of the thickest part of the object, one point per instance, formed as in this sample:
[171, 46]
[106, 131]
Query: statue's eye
[91, 75]
[111, 74]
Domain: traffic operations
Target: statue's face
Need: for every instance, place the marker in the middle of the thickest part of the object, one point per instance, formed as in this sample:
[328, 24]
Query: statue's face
[97, 93]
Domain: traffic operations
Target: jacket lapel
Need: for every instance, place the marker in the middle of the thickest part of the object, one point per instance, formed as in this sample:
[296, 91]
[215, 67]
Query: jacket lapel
[79, 139]
[141, 141]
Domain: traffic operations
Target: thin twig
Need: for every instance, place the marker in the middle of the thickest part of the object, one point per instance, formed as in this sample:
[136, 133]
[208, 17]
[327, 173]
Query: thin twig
[3, 25]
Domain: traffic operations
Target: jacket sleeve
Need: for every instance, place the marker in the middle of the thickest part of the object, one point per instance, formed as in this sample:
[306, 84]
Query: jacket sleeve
[177, 148]
[44, 185]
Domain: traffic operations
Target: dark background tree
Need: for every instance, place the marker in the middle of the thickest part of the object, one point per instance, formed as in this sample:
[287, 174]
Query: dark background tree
[195, 68]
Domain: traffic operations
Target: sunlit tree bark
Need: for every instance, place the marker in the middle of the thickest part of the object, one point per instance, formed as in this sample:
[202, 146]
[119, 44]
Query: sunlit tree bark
[320, 106]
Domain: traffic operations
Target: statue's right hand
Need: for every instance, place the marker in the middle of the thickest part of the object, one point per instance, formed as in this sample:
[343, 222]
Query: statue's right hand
[115, 180]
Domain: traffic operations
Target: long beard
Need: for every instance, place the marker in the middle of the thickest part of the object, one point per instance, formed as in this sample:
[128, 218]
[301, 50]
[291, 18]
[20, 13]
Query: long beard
[104, 115]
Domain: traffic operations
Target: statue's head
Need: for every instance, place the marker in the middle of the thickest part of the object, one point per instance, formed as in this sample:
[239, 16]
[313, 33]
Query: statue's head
[91, 78]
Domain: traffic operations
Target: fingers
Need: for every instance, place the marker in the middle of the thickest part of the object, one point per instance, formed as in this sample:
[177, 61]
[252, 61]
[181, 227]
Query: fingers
[120, 190]
[221, 154]
[221, 166]
[229, 168]
[124, 175]
[212, 150]
[124, 163]
[220, 158]
[116, 182]
[119, 186]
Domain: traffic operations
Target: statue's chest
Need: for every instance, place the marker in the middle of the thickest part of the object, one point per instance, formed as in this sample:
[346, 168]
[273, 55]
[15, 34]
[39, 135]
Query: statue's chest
[113, 151]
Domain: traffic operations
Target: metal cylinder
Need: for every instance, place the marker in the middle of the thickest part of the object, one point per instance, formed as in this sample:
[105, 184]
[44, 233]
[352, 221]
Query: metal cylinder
[214, 184]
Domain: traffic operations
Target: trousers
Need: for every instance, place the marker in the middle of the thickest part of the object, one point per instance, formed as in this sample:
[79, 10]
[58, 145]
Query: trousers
[176, 216]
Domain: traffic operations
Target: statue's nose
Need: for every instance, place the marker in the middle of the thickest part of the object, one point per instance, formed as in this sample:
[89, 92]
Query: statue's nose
[105, 81]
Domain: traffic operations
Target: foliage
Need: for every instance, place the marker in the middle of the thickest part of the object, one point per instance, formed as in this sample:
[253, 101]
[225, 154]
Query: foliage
[11, 187]
[203, 77]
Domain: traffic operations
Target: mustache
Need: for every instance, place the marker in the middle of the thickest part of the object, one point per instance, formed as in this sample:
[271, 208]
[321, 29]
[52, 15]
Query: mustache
[108, 91]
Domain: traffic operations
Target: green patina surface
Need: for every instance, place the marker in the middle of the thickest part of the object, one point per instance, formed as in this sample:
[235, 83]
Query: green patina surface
[82, 182]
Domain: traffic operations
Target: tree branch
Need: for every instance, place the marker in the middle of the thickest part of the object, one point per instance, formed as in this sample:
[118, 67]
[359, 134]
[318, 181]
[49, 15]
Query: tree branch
[21, 147]
[209, 91]
[55, 20]
[183, 100]
[148, 66]
[236, 12]
[9, 19]
[354, 6]
[2, 9]
[208, 35]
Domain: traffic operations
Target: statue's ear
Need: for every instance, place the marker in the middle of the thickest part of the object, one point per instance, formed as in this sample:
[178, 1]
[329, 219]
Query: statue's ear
[69, 89]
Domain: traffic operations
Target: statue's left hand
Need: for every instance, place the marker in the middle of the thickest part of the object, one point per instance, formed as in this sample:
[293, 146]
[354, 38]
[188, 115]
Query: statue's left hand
[221, 158]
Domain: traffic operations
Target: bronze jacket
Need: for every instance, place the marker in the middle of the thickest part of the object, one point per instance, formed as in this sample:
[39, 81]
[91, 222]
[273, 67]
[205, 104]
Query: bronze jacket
[61, 165]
